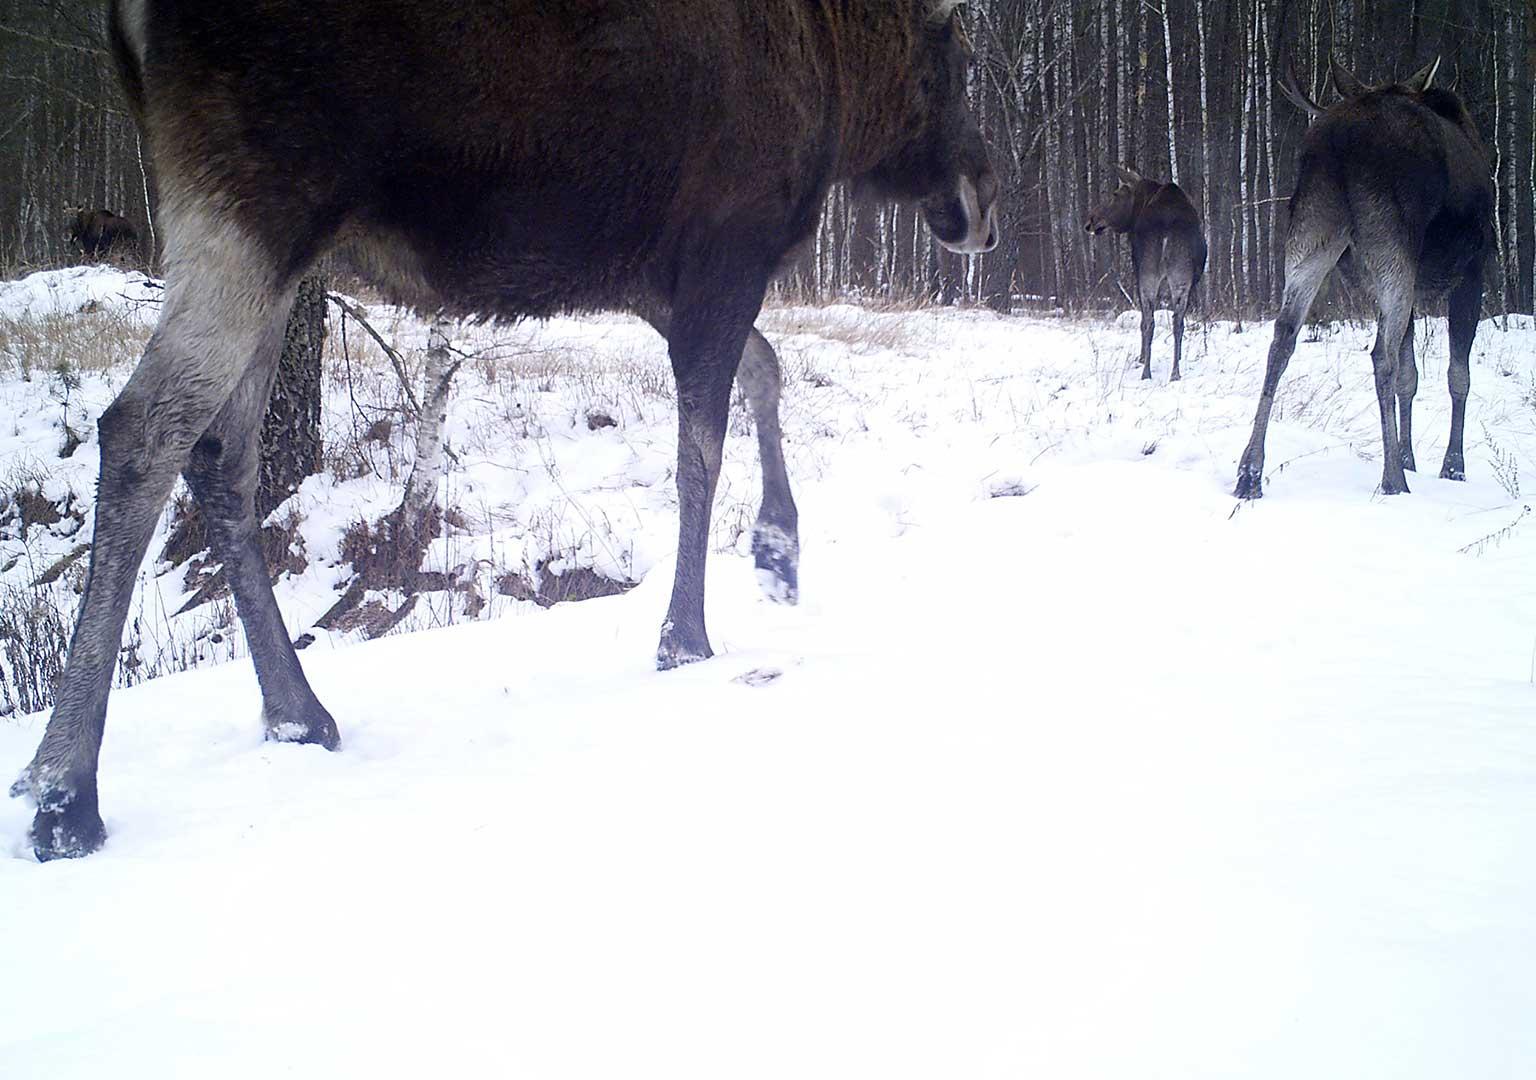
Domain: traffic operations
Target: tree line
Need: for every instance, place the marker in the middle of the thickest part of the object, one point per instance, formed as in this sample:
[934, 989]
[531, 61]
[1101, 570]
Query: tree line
[1064, 89]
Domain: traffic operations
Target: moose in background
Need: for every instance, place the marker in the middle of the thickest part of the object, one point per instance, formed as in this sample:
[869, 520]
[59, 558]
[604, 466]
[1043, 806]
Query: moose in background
[97, 234]
[1167, 251]
[1394, 187]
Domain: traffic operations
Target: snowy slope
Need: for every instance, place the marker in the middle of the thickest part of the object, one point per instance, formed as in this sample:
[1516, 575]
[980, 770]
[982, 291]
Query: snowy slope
[1113, 778]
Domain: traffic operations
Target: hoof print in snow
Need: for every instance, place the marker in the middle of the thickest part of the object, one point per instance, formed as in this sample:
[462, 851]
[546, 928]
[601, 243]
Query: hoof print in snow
[1009, 489]
[759, 676]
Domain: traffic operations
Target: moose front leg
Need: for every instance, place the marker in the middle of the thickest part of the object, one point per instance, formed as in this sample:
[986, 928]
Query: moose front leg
[776, 535]
[711, 318]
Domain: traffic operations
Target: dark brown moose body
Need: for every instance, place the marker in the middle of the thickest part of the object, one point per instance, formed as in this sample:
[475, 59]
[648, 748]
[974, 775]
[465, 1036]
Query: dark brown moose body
[485, 158]
[99, 233]
[1167, 252]
[1393, 187]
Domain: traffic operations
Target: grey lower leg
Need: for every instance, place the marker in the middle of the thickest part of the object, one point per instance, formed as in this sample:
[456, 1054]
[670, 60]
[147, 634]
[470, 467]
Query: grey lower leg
[1178, 341]
[216, 307]
[776, 535]
[222, 474]
[1148, 323]
[1392, 325]
[1407, 387]
[707, 333]
[1304, 275]
[1465, 307]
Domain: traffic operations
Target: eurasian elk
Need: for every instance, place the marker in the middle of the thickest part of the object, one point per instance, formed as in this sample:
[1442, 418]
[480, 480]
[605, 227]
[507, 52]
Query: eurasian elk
[487, 158]
[1167, 252]
[1394, 187]
[98, 233]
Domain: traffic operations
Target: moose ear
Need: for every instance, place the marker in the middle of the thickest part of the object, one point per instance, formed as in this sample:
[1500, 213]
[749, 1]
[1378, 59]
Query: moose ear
[1130, 176]
[1419, 81]
[1345, 80]
[939, 11]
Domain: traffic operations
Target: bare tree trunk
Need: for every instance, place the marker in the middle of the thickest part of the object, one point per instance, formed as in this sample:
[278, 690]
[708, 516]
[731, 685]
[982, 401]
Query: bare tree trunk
[1173, 138]
[389, 555]
[417, 517]
[290, 431]
[1205, 120]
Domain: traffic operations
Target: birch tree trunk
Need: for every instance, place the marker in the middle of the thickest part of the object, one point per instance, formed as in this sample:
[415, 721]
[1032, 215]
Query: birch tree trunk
[1173, 136]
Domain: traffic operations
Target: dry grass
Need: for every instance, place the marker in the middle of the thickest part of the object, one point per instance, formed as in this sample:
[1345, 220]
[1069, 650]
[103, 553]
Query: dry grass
[861, 329]
[95, 340]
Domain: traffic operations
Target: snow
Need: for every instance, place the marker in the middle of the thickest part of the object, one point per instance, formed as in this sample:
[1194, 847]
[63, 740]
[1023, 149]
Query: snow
[1073, 767]
[68, 292]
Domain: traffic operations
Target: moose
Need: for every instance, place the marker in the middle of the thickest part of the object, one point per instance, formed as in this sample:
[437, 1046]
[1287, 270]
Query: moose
[665, 158]
[1167, 251]
[1395, 189]
[98, 233]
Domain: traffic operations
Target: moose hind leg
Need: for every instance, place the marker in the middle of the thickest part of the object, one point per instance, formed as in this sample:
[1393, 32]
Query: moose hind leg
[222, 474]
[1407, 387]
[1304, 275]
[776, 534]
[1465, 306]
[1148, 324]
[221, 296]
[1393, 308]
[1180, 306]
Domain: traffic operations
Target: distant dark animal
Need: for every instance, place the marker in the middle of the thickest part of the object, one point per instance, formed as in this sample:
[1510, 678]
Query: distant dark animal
[1167, 252]
[99, 233]
[492, 158]
[1394, 187]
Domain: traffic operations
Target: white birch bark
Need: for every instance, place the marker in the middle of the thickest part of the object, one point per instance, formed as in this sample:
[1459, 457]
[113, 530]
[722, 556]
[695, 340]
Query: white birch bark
[1173, 138]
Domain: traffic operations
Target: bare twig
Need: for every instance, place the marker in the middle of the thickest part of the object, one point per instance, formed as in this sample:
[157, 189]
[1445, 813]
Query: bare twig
[361, 317]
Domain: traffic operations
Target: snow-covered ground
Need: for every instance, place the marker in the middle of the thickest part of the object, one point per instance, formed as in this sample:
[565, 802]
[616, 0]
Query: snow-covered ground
[1073, 767]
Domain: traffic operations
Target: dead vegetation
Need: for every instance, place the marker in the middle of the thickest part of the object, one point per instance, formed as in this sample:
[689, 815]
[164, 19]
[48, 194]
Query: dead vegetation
[96, 340]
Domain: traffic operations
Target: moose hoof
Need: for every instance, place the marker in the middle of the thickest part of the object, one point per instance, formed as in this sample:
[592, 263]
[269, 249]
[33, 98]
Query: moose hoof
[1250, 483]
[1175, 377]
[1146, 373]
[313, 726]
[777, 555]
[1453, 470]
[68, 826]
[679, 647]
[1394, 485]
